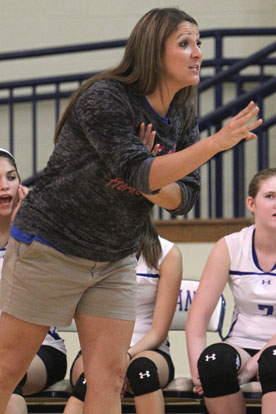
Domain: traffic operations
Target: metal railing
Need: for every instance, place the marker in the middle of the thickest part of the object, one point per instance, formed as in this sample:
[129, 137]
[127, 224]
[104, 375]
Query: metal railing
[229, 71]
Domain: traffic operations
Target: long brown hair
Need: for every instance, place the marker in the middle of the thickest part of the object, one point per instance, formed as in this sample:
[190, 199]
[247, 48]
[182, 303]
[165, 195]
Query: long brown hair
[141, 65]
[150, 246]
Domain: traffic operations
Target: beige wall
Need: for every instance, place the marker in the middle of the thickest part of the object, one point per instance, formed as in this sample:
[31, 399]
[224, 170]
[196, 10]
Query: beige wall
[44, 23]
[28, 24]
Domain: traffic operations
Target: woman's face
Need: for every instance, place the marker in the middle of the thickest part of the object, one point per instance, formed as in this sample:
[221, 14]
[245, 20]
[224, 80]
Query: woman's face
[263, 206]
[9, 183]
[182, 58]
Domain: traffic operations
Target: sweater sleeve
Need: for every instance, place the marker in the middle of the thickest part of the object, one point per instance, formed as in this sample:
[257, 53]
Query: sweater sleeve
[106, 118]
[190, 184]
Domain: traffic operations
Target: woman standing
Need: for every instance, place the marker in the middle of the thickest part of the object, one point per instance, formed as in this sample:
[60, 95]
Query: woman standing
[76, 232]
[159, 274]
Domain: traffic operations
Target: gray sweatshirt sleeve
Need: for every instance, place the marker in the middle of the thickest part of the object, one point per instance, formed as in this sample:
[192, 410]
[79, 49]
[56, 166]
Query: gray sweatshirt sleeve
[190, 184]
[107, 120]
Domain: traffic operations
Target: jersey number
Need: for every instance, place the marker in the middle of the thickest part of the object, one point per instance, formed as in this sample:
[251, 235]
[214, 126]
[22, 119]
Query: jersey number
[267, 308]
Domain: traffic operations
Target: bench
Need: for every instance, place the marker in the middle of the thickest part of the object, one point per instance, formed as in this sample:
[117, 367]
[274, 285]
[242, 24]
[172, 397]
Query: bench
[179, 396]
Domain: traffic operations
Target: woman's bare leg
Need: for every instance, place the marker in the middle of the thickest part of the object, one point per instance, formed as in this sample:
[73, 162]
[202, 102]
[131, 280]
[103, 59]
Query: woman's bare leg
[16, 405]
[104, 343]
[153, 402]
[19, 342]
[77, 369]
[269, 403]
[232, 403]
[73, 406]
[228, 404]
[36, 377]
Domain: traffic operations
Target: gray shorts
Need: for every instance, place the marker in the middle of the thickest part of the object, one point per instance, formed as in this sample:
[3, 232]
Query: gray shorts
[42, 285]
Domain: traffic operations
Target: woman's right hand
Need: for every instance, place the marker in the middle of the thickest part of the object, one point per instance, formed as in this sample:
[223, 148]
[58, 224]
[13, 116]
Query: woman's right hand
[197, 386]
[238, 128]
[22, 192]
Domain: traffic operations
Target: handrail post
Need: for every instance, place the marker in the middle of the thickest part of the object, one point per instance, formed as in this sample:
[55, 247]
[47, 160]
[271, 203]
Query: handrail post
[218, 103]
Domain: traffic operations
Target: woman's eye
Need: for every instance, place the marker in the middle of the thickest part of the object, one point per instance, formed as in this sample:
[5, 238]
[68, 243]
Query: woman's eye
[199, 43]
[184, 43]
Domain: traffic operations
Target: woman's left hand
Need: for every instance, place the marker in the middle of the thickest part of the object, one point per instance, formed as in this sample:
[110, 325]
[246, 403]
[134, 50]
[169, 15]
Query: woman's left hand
[146, 136]
[22, 192]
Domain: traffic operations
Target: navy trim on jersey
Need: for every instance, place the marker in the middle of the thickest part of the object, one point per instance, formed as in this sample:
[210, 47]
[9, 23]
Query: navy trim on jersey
[255, 258]
[53, 333]
[156, 276]
[2, 252]
[239, 273]
[163, 118]
[231, 328]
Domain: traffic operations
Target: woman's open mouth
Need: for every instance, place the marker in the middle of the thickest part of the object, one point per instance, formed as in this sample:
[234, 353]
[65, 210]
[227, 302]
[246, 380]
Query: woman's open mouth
[5, 200]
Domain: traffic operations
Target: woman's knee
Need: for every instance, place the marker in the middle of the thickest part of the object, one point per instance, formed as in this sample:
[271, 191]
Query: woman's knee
[105, 375]
[218, 366]
[267, 369]
[16, 405]
[143, 376]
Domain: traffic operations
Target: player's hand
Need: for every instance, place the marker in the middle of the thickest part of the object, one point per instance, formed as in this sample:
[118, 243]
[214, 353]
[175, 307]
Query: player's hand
[22, 192]
[239, 127]
[197, 386]
[146, 136]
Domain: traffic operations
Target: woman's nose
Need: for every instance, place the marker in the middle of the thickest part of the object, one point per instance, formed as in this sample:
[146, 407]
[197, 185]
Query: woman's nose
[4, 185]
[197, 53]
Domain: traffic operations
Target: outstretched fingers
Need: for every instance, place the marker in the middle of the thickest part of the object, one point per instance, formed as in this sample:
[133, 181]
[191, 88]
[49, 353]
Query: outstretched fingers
[247, 114]
[241, 125]
[254, 125]
[246, 110]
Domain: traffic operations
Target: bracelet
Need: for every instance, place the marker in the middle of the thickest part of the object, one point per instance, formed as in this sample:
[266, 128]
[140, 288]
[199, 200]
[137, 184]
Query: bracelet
[130, 356]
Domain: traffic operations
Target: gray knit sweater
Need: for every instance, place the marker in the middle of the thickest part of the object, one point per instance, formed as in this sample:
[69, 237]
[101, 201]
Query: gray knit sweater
[87, 202]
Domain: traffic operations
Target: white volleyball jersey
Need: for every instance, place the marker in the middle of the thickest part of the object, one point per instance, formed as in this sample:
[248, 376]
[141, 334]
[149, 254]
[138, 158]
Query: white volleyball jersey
[52, 338]
[147, 284]
[254, 291]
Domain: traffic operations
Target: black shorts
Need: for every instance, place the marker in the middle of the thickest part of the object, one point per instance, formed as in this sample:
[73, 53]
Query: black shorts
[55, 363]
[251, 352]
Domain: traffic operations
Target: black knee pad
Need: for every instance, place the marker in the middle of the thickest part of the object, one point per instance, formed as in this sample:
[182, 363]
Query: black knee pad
[79, 389]
[143, 377]
[217, 367]
[267, 369]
